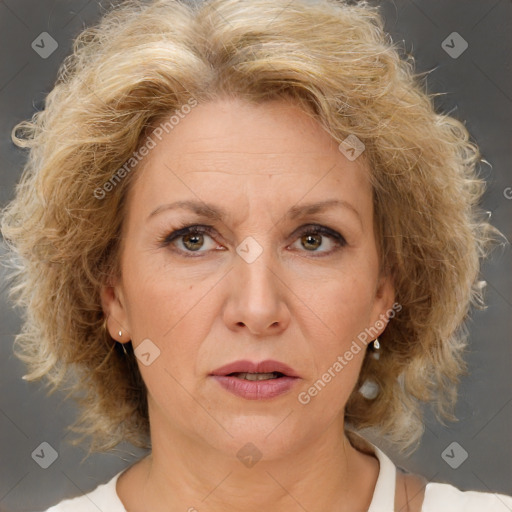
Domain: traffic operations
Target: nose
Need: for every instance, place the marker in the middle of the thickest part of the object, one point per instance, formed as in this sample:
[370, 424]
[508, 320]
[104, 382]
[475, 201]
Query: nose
[257, 297]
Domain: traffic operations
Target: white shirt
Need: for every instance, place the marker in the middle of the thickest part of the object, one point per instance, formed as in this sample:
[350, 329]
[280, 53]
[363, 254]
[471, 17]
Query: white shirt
[438, 497]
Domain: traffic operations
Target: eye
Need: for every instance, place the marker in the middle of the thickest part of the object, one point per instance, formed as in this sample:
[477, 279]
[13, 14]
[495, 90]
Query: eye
[190, 239]
[312, 237]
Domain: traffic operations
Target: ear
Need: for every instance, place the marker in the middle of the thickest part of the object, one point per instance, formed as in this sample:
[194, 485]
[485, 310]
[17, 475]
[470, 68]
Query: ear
[113, 304]
[384, 306]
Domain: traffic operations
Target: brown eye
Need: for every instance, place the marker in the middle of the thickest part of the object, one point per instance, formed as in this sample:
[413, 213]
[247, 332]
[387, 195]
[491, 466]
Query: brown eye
[312, 238]
[193, 241]
[311, 241]
[190, 239]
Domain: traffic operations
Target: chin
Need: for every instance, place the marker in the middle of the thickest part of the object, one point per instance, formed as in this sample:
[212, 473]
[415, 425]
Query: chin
[266, 437]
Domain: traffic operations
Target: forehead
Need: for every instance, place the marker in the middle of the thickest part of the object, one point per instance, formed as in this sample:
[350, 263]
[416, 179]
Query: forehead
[271, 153]
[272, 129]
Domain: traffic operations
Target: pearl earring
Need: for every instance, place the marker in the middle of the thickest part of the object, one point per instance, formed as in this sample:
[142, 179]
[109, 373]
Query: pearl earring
[120, 334]
[370, 389]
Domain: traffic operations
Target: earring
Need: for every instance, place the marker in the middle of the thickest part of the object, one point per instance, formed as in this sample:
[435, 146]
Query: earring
[375, 348]
[122, 344]
[370, 389]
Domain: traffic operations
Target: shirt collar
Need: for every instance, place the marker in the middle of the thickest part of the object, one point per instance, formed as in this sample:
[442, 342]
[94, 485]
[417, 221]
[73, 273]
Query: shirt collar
[384, 494]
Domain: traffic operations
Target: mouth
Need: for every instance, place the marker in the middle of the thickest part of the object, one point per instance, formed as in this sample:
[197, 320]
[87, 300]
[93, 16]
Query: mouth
[256, 376]
[249, 370]
[256, 381]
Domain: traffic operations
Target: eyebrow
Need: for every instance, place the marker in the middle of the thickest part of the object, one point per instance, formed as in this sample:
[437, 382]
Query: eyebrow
[214, 212]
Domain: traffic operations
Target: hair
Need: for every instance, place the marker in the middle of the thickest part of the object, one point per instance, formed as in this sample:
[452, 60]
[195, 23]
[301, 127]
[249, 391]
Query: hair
[143, 61]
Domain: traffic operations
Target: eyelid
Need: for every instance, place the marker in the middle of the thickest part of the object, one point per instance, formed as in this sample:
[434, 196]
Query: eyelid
[319, 229]
[309, 228]
[185, 230]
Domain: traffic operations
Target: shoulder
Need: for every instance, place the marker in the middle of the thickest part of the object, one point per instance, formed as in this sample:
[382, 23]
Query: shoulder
[103, 497]
[445, 497]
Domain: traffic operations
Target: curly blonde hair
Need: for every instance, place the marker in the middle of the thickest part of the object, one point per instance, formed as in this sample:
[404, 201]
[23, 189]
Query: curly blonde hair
[143, 61]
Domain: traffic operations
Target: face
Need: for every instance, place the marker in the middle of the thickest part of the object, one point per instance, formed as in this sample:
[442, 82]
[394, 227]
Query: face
[262, 277]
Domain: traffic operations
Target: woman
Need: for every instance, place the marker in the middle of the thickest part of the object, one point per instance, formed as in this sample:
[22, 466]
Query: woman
[247, 236]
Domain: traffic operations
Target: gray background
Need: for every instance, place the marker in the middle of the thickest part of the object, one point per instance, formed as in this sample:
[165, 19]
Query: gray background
[478, 90]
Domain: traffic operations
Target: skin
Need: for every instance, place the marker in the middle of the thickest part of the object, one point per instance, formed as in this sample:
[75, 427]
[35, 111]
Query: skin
[301, 302]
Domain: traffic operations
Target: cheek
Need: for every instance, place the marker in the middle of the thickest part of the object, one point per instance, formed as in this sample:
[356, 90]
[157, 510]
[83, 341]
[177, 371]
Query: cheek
[344, 305]
[338, 356]
[326, 395]
[156, 298]
[166, 312]
[174, 314]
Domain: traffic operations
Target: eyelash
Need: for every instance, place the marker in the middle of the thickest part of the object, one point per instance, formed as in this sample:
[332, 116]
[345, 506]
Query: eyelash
[312, 229]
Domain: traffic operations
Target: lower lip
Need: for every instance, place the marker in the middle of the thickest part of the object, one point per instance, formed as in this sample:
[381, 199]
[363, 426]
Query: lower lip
[256, 389]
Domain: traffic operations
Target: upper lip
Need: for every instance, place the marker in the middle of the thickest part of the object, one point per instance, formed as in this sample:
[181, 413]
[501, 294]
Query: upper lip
[244, 366]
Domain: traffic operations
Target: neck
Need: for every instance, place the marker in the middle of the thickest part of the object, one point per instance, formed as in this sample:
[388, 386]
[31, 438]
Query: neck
[187, 474]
